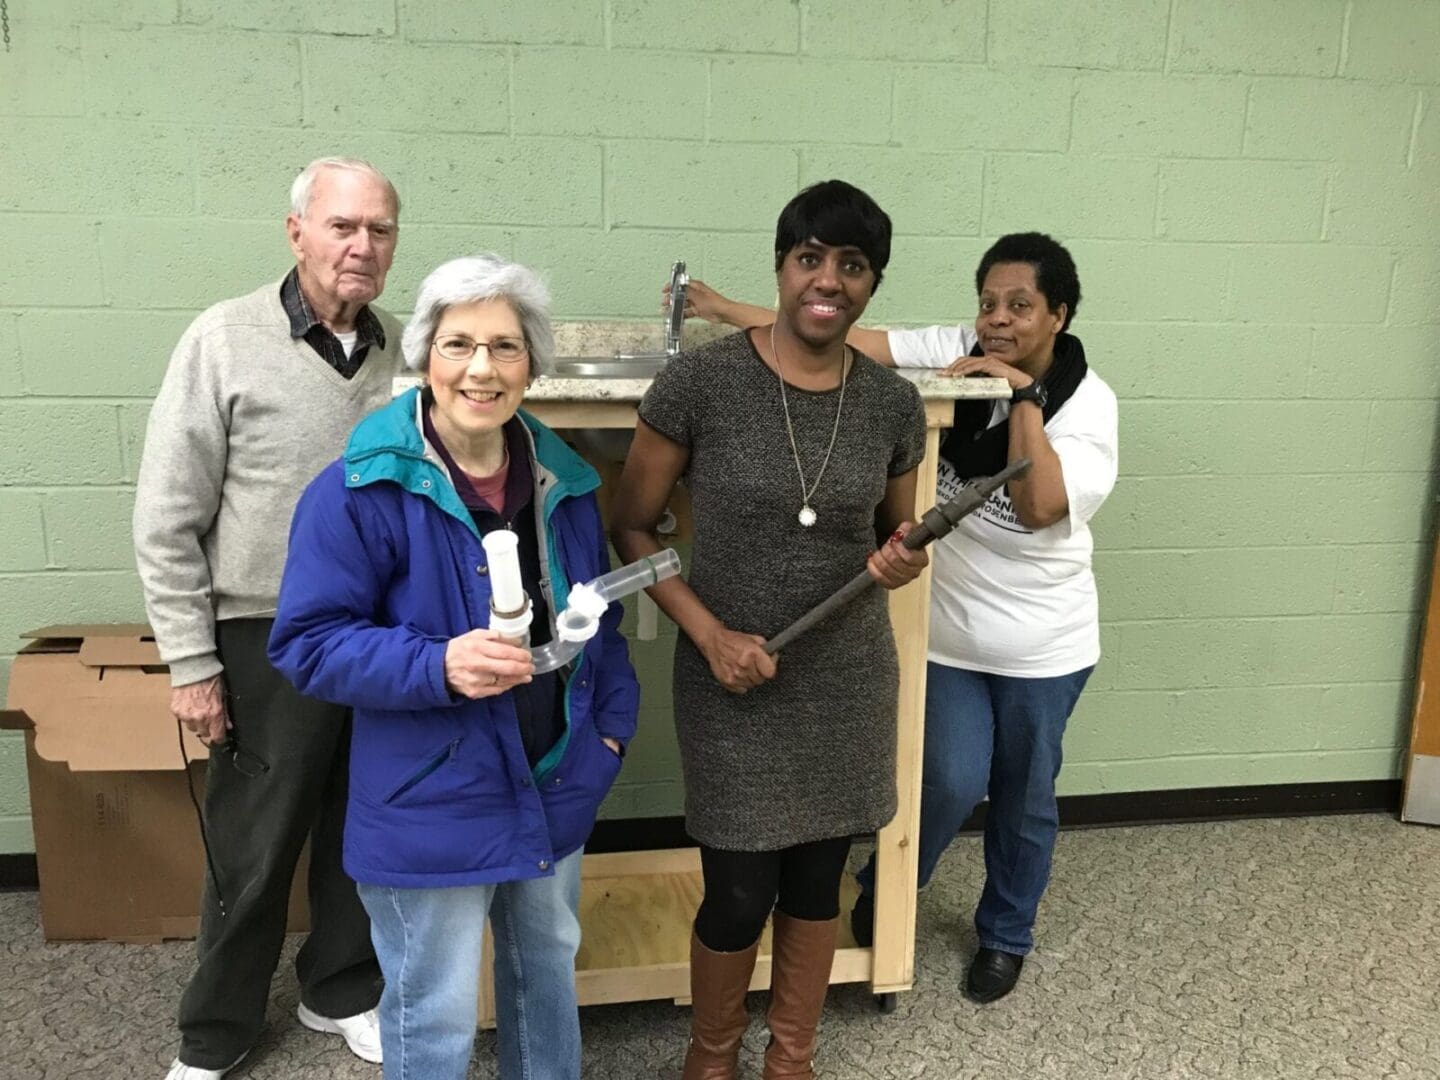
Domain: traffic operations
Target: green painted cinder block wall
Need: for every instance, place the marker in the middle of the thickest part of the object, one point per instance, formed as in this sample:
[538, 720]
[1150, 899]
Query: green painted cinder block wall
[1249, 190]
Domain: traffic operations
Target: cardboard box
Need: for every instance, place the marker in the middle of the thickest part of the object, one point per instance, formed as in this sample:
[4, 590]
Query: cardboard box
[1421, 800]
[117, 840]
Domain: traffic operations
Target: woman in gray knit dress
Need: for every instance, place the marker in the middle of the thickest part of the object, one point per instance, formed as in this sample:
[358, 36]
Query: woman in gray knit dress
[799, 454]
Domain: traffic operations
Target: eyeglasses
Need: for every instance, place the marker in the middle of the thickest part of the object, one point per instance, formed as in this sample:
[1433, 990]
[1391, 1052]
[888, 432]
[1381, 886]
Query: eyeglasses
[246, 763]
[507, 350]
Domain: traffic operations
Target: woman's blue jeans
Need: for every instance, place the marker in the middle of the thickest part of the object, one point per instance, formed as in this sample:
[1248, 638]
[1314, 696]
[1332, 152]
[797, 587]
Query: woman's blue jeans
[996, 736]
[428, 942]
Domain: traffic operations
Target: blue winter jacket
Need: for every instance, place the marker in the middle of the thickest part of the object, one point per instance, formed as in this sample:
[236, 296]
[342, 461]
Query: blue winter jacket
[385, 567]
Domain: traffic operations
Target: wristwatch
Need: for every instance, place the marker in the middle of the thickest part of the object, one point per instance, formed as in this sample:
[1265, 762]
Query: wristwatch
[1034, 392]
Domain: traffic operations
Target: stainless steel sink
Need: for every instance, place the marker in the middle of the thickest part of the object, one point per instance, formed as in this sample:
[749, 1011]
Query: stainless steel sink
[596, 367]
[639, 365]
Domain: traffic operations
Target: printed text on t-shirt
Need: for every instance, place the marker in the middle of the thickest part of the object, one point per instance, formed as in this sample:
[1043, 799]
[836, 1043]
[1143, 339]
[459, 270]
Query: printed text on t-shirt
[998, 509]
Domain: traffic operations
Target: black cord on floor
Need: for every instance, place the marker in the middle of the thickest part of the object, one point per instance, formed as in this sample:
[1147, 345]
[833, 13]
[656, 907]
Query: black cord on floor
[200, 818]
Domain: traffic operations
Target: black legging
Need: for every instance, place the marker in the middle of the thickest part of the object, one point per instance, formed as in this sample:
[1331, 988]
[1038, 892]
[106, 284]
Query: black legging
[741, 887]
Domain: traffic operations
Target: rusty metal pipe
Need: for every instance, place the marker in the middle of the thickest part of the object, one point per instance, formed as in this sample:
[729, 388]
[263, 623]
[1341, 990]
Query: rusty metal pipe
[934, 524]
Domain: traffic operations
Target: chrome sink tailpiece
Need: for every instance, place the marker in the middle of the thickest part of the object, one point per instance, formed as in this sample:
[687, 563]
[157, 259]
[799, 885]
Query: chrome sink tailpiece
[674, 318]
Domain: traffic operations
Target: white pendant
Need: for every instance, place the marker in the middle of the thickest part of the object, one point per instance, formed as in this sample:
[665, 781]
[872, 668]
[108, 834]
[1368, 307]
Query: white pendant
[807, 516]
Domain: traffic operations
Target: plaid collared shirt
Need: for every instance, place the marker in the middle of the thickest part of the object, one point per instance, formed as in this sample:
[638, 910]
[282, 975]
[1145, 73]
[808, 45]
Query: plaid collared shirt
[304, 324]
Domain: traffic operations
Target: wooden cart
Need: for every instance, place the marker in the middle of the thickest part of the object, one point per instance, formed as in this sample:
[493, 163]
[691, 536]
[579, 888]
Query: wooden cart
[636, 908]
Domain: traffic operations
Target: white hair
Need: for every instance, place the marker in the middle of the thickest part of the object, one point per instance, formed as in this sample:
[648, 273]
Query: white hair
[303, 189]
[469, 280]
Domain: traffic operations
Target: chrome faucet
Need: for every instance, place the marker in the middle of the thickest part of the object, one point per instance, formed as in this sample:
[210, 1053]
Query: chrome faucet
[674, 318]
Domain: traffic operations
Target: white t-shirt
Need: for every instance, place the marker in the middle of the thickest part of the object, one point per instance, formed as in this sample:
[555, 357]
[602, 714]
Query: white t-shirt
[347, 341]
[1007, 599]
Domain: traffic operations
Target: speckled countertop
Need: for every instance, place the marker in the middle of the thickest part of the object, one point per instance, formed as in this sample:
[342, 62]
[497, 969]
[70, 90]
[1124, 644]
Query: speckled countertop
[601, 340]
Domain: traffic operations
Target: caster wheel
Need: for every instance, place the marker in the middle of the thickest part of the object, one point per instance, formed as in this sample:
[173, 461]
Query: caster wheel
[886, 1003]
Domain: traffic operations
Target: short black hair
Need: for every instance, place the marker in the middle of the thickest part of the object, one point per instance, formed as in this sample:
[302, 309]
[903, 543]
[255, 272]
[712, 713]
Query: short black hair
[838, 214]
[1055, 274]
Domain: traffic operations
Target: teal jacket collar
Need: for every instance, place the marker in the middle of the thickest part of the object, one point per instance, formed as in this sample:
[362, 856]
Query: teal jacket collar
[389, 446]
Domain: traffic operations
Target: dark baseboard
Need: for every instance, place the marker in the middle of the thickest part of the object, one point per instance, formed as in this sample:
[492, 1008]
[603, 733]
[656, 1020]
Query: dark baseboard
[1226, 803]
[18, 872]
[1076, 812]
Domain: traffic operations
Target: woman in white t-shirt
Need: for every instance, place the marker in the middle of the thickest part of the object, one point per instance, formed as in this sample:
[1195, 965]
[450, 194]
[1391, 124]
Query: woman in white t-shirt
[1014, 627]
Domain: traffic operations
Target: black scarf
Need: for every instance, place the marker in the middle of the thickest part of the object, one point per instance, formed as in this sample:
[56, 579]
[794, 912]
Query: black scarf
[974, 450]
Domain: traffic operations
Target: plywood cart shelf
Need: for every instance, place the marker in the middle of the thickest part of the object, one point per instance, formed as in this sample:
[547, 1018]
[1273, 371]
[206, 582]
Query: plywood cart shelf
[637, 907]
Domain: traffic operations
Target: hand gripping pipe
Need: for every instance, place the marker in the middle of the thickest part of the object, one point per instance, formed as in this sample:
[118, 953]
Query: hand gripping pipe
[934, 523]
[580, 620]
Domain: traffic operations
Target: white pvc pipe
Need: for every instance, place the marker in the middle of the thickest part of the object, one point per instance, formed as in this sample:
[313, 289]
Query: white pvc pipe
[580, 620]
[507, 591]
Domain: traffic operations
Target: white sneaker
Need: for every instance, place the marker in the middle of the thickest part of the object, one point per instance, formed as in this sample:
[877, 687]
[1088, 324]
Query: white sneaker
[360, 1032]
[180, 1071]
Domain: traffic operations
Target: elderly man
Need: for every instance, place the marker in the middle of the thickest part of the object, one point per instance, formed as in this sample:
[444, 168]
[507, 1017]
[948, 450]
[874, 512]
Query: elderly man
[260, 394]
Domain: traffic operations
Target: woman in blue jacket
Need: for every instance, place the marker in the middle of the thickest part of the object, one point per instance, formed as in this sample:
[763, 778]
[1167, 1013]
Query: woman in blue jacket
[474, 782]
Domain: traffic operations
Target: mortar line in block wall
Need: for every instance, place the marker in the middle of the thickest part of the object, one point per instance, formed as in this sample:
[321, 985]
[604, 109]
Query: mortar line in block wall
[97, 238]
[304, 83]
[1245, 123]
[1169, 38]
[1224, 755]
[45, 533]
[1232, 476]
[1342, 59]
[1156, 218]
[1390, 296]
[606, 221]
[1327, 203]
[1337, 592]
[58, 572]
[1070, 116]
[1322, 546]
[1264, 619]
[985, 166]
[1137, 691]
[511, 106]
[1303, 246]
[989, 24]
[1227, 312]
[1416, 119]
[705, 132]
[46, 489]
[569, 139]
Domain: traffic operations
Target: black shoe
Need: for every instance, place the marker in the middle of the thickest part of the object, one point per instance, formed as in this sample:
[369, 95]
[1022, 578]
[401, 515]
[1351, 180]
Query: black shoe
[992, 975]
[862, 920]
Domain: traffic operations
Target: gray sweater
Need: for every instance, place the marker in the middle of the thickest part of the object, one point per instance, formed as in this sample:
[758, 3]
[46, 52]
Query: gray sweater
[245, 418]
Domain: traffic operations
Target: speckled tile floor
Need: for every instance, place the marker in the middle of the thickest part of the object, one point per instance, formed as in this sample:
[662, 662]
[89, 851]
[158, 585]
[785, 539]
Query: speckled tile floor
[1263, 949]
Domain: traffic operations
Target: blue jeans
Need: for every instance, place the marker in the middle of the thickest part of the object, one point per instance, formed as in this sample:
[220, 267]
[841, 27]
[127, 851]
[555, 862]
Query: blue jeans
[428, 942]
[1000, 736]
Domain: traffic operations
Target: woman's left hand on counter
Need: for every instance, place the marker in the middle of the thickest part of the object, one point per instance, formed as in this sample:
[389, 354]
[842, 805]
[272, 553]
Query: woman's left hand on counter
[988, 365]
[894, 565]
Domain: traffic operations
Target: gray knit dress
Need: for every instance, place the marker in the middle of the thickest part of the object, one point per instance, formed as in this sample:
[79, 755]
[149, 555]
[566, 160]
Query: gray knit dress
[811, 754]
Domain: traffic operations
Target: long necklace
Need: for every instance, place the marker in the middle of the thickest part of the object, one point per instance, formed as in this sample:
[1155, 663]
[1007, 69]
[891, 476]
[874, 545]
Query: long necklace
[807, 515]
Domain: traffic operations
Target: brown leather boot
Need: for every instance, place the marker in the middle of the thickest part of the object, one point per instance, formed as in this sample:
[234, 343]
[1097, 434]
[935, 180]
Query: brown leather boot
[718, 981]
[799, 976]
